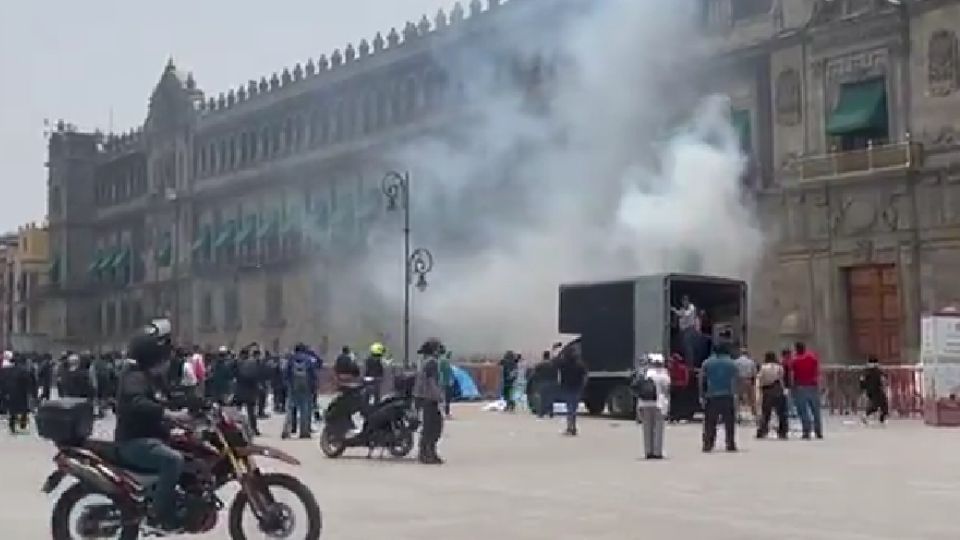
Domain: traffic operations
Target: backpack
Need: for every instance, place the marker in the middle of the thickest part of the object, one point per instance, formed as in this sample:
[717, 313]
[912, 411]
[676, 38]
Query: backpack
[300, 376]
[250, 369]
[645, 388]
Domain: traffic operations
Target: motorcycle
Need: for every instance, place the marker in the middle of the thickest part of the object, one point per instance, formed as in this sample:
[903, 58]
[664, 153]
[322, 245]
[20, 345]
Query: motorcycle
[388, 424]
[217, 449]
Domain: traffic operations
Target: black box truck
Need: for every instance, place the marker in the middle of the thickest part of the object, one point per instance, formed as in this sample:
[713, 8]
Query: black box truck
[617, 322]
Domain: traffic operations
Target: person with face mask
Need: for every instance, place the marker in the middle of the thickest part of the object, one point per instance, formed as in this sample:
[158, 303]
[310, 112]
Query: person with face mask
[141, 431]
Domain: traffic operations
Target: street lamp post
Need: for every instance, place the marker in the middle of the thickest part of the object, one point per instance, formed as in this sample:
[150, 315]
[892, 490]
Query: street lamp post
[396, 187]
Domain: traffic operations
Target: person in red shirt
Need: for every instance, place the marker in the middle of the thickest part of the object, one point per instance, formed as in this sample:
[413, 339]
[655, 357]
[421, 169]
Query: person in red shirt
[805, 376]
[679, 393]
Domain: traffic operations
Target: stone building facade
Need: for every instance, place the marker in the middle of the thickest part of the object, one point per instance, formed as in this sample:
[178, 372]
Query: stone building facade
[24, 266]
[226, 211]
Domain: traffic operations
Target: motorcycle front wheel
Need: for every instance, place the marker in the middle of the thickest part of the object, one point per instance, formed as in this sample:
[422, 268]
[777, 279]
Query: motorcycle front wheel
[331, 445]
[99, 517]
[295, 514]
[402, 442]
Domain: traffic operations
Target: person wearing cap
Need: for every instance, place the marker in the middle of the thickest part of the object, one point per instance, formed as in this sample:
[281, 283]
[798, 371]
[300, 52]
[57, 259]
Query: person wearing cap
[373, 369]
[653, 403]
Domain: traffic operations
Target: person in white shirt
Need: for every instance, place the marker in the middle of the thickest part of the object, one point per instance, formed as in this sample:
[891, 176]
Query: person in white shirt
[652, 387]
[746, 383]
[688, 325]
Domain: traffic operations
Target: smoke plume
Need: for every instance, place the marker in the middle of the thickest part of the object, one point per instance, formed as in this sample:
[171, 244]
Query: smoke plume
[617, 165]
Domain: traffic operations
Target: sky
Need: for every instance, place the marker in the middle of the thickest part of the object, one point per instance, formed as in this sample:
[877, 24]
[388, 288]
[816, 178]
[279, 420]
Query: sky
[95, 63]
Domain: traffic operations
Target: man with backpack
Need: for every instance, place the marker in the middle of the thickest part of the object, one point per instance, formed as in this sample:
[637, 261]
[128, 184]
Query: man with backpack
[301, 380]
[248, 386]
[651, 385]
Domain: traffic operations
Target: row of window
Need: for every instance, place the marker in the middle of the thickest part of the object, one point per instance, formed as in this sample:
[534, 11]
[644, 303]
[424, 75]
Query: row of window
[119, 317]
[231, 317]
[121, 180]
[340, 122]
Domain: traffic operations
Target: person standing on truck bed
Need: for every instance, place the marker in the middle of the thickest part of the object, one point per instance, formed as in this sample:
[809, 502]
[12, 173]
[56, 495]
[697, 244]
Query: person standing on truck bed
[573, 377]
[718, 380]
[688, 325]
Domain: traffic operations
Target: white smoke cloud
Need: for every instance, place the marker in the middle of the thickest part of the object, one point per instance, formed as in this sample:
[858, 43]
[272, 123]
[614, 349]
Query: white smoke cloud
[522, 198]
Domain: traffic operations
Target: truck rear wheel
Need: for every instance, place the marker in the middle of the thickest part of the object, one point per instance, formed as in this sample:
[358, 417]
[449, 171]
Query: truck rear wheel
[595, 403]
[621, 402]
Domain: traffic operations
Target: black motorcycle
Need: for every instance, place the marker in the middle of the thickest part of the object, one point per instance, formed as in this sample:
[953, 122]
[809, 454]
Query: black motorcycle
[388, 424]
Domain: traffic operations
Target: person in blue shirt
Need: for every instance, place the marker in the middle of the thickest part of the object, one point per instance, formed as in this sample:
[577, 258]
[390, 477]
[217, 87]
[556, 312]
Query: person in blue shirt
[301, 378]
[718, 383]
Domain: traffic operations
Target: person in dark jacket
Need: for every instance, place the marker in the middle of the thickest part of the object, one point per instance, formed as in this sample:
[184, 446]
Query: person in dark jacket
[301, 378]
[573, 378]
[19, 389]
[545, 384]
[248, 386]
[76, 379]
[429, 394]
[509, 367]
[345, 367]
[45, 376]
[873, 384]
[141, 431]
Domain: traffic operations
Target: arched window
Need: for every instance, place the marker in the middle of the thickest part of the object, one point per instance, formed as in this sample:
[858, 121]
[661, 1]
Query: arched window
[276, 140]
[264, 143]
[383, 109]
[233, 153]
[223, 157]
[299, 132]
[243, 149]
[287, 142]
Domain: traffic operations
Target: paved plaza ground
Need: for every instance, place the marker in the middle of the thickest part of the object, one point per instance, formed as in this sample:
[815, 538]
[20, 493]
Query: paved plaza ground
[513, 477]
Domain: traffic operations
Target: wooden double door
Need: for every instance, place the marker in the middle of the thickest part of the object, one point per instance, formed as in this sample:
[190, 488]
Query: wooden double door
[876, 318]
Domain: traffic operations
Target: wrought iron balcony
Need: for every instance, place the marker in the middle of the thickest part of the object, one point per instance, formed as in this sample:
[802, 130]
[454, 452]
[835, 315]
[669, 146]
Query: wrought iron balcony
[874, 158]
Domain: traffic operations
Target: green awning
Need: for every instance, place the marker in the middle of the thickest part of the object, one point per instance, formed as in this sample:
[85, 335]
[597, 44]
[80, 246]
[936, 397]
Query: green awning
[741, 125]
[227, 233]
[246, 232]
[291, 223]
[862, 107]
[268, 227]
[121, 259]
[202, 243]
[164, 253]
[106, 260]
[95, 263]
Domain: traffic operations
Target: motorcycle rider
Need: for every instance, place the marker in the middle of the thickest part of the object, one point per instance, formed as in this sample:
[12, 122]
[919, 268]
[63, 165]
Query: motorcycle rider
[373, 369]
[141, 431]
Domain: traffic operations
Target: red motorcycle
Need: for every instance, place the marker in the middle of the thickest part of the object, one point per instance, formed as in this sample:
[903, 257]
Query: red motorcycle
[112, 499]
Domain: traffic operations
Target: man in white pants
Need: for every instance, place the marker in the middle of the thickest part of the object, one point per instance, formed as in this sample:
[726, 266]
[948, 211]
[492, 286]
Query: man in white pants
[652, 387]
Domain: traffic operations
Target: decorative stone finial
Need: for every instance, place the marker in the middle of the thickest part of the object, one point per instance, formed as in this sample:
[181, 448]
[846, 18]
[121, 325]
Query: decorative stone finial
[311, 68]
[241, 94]
[378, 43]
[336, 59]
[274, 81]
[364, 48]
[393, 38]
[322, 63]
[424, 26]
[298, 72]
[410, 32]
[190, 83]
[286, 78]
[350, 53]
[221, 101]
[231, 98]
[440, 21]
[264, 85]
[476, 7]
[456, 16]
[211, 104]
[252, 88]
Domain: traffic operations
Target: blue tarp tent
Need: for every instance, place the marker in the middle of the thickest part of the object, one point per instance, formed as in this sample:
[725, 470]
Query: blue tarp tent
[468, 388]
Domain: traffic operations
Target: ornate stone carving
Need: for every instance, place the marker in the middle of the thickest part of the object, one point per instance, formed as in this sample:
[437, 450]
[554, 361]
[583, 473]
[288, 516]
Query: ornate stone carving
[942, 60]
[891, 213]
[864, 251]
[788, 97]
[857, 66]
